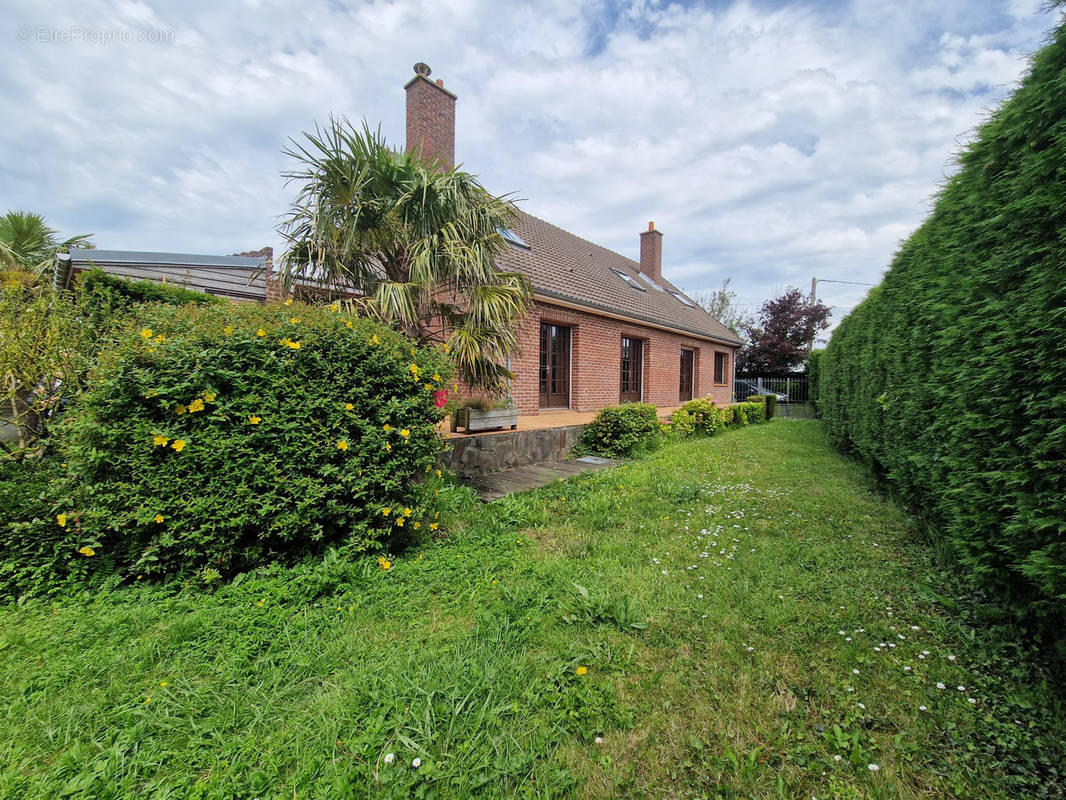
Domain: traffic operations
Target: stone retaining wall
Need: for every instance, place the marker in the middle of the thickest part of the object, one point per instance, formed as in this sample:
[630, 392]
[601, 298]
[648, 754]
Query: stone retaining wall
[476, 455]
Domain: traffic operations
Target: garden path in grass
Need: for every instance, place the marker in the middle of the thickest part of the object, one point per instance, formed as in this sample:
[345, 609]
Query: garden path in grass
[739, 616]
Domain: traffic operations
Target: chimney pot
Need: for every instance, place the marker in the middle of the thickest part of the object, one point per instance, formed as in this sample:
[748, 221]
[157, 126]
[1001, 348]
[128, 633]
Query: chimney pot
[651, 225]
[440, 82]
[422, 68]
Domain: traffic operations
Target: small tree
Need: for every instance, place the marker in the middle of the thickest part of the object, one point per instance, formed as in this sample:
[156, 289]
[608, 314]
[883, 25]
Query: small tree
[782, 338]
[719, 303]
[28, 245]
[415, 241]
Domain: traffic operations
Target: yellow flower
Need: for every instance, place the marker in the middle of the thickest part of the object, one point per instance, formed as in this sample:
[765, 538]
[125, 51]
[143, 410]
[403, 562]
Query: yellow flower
[293, 345]
[163, 684]
[342, 445]
[438, 473]
[386, 427]
[386, 511]
[260, 332]
[415, 369]
[148, 699]
[427, 386]
[228, 330]
[87, 551]
[210, 396]
[405, 433]
[159, 517]
[582, 670]
[407, 512]
[159, 339]
[196, 405]
[434, 525]
[348, 323]
[288, 302]
[151, 393]
[436, 377]
[294, 320]
[349, 406]
[388, 447]
[146, 333]
[400, 521]
[180, 409]
[61, 519]
[178, 445]
[374, 339]
[335, 307]
[384, 563]
[254, 420]
[416, 525]
[160, 441]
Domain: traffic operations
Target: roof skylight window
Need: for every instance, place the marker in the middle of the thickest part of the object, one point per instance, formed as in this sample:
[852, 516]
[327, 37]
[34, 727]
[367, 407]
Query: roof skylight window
[684, 300]
[512, 237]
[628, 279]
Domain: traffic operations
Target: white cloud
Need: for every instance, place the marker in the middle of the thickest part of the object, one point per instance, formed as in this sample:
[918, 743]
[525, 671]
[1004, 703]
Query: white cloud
[769, 144]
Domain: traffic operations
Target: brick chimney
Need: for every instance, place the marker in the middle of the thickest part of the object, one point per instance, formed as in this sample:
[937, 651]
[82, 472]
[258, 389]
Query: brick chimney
[651, 253]
[275, 289]
[430, 118]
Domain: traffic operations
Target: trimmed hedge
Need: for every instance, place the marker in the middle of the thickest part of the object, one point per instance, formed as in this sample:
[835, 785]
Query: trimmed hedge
[222, 437]
[950, 379]
[814, 376]
[623, 430]
[707, 418]
[116, 292]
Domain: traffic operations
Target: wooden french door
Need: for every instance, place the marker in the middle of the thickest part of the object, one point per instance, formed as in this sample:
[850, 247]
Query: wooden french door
[632, 370]
[554, 366]
[684, 391]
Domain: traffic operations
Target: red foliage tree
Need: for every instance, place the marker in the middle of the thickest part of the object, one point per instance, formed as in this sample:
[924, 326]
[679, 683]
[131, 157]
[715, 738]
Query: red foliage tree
[779, 342]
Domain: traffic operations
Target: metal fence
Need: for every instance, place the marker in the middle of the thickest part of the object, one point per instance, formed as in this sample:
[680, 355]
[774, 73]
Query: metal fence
[793, 392]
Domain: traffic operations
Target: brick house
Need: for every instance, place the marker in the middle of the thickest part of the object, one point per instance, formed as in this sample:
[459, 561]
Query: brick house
[603, 328]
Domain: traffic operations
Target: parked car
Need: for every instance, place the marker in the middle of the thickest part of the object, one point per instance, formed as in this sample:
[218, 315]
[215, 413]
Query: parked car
[743, 389]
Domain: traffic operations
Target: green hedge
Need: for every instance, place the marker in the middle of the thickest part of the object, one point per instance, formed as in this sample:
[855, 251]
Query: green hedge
[221, 437]
[119, 292]
[950, 379]
[814, 376]
[623, 430]
[707, 418]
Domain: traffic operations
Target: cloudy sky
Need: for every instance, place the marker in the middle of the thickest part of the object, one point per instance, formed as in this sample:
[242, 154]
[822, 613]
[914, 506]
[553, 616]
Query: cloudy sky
[770, 141]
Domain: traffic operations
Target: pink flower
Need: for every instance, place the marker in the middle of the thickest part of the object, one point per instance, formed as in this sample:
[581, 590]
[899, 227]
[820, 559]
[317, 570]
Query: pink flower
[440, 398]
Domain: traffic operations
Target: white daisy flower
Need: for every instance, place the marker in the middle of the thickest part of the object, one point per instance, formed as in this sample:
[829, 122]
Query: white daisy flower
[872, 767]
[940, 685]
[416, 763]
[390, 758]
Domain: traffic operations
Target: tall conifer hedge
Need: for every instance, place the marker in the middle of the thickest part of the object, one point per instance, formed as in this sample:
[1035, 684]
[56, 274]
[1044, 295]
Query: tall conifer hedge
[950, 379]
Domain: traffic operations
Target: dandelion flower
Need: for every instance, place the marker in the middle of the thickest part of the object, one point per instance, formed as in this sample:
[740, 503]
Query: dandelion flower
[178, 445]
[61, 520]
[390, 758]
[405, 433]
[160, 441]
[87, 551]
[342, 445]
[146, 333]
[159, 518]
[254, 419]
[582, 670]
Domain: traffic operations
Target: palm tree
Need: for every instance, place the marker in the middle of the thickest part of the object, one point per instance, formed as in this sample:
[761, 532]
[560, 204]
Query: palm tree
[29, 245]
[415, 242]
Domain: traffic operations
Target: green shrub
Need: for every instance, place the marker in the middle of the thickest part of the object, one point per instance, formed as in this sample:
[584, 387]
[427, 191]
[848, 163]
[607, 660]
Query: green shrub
[682, 423]
[623, 430]
[748, 414]
[708, 418]
[948, 379]
[117, 292]
[224, 437]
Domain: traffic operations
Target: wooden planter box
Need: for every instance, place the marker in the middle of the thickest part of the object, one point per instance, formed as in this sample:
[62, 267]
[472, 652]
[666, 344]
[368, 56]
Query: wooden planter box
[472, 419]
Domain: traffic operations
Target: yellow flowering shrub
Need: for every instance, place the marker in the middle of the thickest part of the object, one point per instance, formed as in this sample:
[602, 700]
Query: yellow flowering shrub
[226, 446]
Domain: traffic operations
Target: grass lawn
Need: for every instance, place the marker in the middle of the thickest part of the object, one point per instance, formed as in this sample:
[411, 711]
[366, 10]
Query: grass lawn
[752, 621]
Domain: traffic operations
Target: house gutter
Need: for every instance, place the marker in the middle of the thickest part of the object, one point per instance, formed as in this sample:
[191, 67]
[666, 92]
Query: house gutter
[567, 302]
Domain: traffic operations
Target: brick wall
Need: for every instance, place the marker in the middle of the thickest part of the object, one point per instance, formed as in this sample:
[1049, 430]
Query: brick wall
[595, 361]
